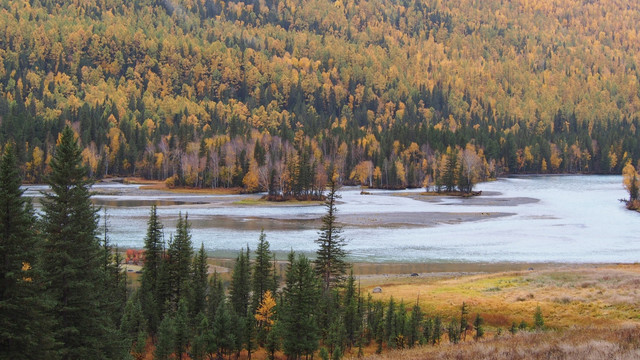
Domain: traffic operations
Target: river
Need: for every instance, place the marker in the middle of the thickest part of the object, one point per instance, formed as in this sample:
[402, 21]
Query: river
[574, 219]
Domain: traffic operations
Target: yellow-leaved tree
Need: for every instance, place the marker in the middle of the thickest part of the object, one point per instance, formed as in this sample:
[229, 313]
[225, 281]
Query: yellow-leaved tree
[631, 182]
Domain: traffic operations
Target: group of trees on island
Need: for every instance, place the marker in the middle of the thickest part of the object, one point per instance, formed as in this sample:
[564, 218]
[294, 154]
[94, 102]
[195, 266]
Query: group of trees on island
[65, 296]
[266, 95]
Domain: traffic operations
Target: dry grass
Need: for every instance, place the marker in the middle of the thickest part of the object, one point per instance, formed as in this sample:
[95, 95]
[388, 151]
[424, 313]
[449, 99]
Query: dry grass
[568, 297]
[585, 343]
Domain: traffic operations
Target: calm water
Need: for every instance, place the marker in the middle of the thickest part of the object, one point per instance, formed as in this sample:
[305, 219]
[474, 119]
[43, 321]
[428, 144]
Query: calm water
[551, 219]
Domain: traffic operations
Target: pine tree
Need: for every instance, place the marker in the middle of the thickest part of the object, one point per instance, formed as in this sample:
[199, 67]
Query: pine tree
[450, 170]
[133, 326]
[198, 296]
[181, 334]
[262, 279]
[352, 319]
[390, 331]
[330, 263]
[300, 331]
[437, 330]
[149, 284]
[178, 262]
[454, 331]
[164, 345]
[477, 324]
[538, 320]
[216, 296]
[427, 331]
[203, 343]
[240, 284]
[222, 329]
[413, 326]
[25, 328]
[464, 322]
[72, 260]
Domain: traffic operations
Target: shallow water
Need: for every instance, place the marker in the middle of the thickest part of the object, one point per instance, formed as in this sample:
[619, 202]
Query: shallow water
[550, 219]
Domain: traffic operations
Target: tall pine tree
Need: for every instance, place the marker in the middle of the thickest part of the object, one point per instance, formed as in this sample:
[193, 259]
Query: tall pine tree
[330, 263]
[150, 286]
[263, 279]
[72, 260]
[24, 326]
[178, 262]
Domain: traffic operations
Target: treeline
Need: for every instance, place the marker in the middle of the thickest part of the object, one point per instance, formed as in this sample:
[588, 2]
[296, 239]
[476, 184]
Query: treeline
[268, 95]
[65, 296]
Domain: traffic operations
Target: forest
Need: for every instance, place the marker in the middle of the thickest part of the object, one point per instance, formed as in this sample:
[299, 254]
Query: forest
[65, 295]
[268, 95]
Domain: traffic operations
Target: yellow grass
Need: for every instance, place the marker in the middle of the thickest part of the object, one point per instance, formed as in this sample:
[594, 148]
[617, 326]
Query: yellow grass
[568, 297]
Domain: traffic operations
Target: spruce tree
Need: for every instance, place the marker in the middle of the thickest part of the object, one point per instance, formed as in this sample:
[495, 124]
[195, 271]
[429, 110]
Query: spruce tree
[178, 263]
[413, 325]
[222, 329]
[262, 279]
[133, 326]
[164, 345]
[72, 260]
[437, 330]
[299, 327]
[352, 319]
[181, 333]
[240, 284]
[477, 324]
[199, 283]
[149, 284]
[330, 263]
[25, 328]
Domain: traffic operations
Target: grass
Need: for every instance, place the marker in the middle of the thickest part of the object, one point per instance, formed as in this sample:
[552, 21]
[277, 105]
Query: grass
[573, 297]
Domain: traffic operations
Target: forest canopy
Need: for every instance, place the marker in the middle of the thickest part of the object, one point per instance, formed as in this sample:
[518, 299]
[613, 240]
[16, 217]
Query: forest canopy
[269, 95]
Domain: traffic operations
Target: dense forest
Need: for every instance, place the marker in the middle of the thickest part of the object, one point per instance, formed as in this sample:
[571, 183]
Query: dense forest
[269, 94]
[64, 294]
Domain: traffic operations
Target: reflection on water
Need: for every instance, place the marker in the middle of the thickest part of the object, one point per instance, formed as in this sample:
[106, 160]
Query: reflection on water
[140, 202]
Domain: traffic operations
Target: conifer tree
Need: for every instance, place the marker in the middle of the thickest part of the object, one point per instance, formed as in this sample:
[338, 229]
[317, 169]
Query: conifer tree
[538, 319]
[299, 327]
[133, 325]
[390, 332]
[203, 343]
[198, 296]
[262, 279]
[437, 330]
[427, 331]
[477, 324]
[240, 284]
[25, 328]
[464, 322]
[222, 329]
[352, 319]
[181, 333]
[454, 331]
[330, 263]
[72, 260]
[216, 296]
[413, 325]
[450, 170]
[178, 262]
[149, 284]
[164, 345]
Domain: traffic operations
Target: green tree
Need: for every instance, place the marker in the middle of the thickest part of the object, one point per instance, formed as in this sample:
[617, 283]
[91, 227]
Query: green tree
[199, 283]
[181, 334]
[25, 328]
[222, 329]
[299, 329]
[133, 326]
[72, 260]
[413, 326]
[538, 319]
[453, 331]
[449, 175]
[477, 324]
[262, 274]
[464, 320]
[149, 283]
[437, 330]
[330, 263]
[164, 345]
[178, 262]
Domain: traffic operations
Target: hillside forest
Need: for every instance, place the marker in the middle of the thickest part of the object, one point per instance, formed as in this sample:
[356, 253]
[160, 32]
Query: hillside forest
[268, 95]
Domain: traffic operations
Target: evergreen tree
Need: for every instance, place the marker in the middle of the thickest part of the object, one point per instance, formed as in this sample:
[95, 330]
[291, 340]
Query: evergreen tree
[178, 262]
[133, 325]
[216, 296]
[72, 260]
[437, 330]
[450, 170]
[198, 297]
[352, 319]
[222, 329]
[300, 332]
[330, 263]
[181, 334]
[240, 284]
[538, 320]
[203, 343]
[464, 322]
[262, 279]
[454, 331]
[413, 326]
[25, 331]
[427, 331]
[390, 332]
[164, 345]
[477, 324]
[149, 283]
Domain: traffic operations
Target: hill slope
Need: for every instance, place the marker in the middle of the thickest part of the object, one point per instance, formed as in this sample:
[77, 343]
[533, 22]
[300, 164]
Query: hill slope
[270, 94]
